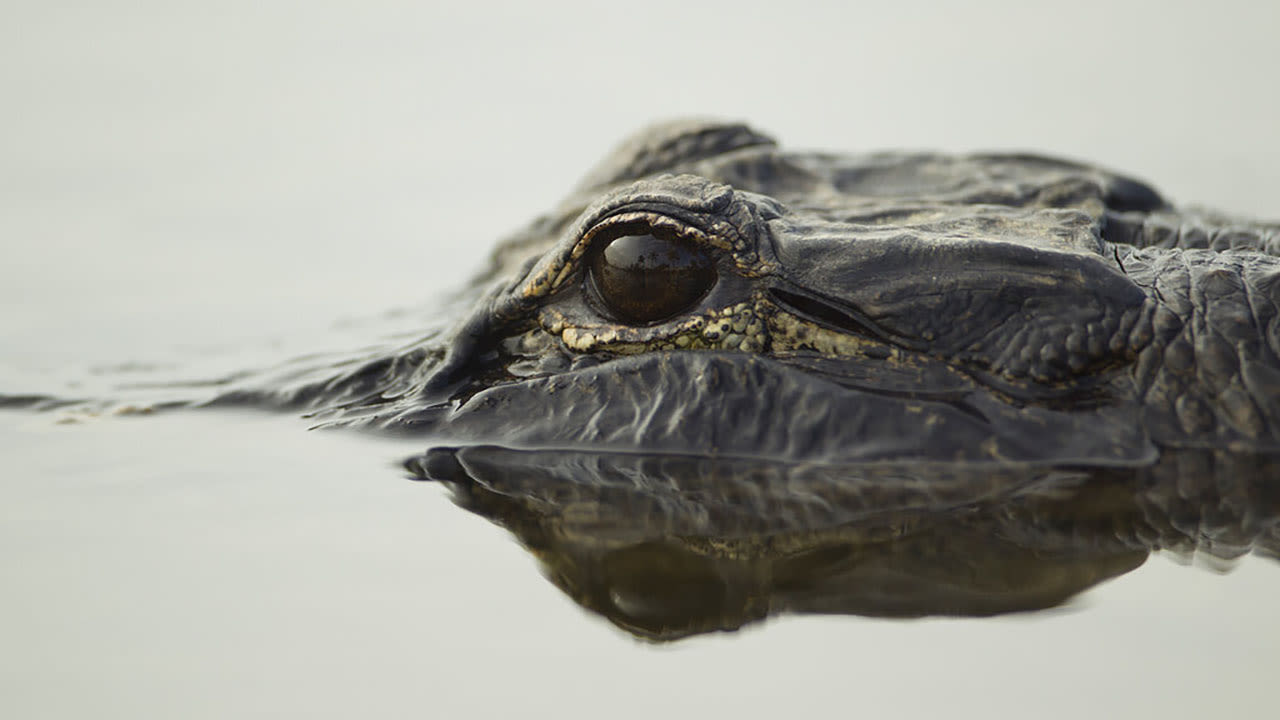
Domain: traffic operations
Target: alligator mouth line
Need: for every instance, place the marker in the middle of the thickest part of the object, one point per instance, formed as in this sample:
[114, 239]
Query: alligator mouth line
[839, 317]
[1083, 394]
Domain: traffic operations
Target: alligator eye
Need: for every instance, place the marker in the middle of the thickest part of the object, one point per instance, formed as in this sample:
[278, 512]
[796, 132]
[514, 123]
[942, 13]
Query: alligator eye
[645, 274]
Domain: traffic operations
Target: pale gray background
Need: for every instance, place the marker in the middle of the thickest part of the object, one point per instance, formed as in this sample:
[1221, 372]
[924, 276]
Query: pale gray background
[324, 158]
[178, 179]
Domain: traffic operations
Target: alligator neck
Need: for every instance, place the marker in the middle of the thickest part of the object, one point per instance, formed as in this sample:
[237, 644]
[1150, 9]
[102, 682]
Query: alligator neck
[1208, 371]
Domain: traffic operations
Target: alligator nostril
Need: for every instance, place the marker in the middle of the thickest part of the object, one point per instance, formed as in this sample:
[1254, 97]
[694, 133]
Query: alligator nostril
[823, 313]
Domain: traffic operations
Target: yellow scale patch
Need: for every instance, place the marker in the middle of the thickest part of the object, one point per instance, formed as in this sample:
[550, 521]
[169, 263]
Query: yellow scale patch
[740, 327]
[789, 332]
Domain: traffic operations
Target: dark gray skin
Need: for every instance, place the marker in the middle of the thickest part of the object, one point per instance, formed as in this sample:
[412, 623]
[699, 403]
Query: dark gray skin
[986, 308]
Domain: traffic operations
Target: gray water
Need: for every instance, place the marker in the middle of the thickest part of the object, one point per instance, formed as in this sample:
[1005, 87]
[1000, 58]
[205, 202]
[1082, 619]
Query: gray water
[191, 186]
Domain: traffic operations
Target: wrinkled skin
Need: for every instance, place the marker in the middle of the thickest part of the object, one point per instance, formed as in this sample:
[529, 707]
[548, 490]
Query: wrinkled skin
[986, 308]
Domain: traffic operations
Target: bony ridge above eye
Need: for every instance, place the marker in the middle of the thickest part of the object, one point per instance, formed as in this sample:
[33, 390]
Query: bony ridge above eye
[645, 274]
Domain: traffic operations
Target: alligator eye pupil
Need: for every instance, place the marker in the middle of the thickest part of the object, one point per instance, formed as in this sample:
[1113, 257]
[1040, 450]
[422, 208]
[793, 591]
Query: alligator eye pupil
[649, 276]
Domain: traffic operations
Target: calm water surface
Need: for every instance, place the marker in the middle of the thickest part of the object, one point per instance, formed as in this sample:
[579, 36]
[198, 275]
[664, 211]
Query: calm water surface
[188, 191]
[217, 564]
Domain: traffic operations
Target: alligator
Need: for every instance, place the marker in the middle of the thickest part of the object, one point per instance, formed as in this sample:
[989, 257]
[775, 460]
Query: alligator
[706, 292]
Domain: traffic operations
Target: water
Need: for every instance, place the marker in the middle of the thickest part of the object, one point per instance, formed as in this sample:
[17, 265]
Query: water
[188, 187]
[215, 565]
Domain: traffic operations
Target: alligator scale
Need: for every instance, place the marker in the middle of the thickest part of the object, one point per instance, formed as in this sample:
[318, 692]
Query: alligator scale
[723, 379]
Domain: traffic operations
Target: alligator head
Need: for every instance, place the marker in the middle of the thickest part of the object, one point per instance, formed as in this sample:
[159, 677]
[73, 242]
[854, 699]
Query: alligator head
[707, 293]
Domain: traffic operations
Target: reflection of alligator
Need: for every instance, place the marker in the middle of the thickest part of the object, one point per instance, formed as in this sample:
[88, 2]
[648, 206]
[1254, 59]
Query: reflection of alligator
[670, 546]
[839, 308]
